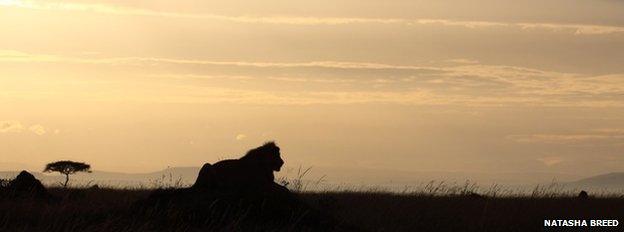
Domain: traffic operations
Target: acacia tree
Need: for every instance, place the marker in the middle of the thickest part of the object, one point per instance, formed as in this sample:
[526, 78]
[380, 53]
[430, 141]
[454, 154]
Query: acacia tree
[67, 167]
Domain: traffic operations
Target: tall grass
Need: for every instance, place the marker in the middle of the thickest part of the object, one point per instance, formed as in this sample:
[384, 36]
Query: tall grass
[433, 206]
[298, 183]
[167, 181]
[4, 183]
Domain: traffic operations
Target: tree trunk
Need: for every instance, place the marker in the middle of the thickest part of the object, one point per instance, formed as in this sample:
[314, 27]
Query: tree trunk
[66, 180]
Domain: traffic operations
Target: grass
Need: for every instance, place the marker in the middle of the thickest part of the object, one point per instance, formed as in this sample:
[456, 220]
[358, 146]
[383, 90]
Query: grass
[436, 207]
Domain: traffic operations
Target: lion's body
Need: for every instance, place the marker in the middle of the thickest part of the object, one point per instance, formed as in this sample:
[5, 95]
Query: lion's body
[239, 173]
[252, 172]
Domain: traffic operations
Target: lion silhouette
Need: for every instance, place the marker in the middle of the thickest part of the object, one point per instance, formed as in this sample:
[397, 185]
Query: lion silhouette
[243, 192]
[252, 172]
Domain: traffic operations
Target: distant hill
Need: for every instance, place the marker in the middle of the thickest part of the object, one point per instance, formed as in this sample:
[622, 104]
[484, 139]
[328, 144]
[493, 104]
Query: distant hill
[614, 180]
[179, 176]
[316, 178]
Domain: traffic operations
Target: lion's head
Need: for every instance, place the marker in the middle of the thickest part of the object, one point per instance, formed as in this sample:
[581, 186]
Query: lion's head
[267, 155]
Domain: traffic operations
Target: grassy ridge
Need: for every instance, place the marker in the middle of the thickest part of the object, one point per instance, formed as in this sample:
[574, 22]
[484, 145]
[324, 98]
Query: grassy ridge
[110, 210]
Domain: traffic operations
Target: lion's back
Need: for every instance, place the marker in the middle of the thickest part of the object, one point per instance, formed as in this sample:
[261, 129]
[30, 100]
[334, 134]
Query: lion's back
[238, 173]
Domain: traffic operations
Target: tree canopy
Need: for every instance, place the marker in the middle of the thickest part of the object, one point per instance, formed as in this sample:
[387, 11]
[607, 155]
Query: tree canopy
[67, 167]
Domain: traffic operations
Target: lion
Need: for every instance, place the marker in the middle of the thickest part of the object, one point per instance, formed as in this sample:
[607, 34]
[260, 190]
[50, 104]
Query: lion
[252, 172]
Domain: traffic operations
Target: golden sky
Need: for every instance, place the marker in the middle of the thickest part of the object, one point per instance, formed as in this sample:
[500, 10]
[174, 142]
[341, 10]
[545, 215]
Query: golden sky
[479, 85]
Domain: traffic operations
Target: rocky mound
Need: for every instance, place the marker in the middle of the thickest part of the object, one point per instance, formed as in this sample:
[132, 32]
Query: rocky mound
[25, 185]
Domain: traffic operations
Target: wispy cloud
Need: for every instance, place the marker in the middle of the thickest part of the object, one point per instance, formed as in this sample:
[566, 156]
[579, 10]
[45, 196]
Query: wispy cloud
[37, 129]
[17, 56]
[580, 29]
[550, 160]
[11, 127]
[240, 137]
[610, 136]
[316, 80]
[460, 83]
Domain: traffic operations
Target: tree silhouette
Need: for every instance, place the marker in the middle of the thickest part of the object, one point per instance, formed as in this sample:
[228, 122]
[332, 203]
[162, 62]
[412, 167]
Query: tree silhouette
[67, 167]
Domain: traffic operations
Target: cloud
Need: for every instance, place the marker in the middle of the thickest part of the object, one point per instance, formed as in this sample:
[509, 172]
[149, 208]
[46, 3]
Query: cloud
[610, 130]
[18, 127]
[556, 138]
[37, 129]
[550, 160]
[201, 77]
[11, 127]
[579, 29]
[468, 24]
[240, 137]
[466, 82]
[316, 80]
[17, 56]
[462, 61]
[597, 136]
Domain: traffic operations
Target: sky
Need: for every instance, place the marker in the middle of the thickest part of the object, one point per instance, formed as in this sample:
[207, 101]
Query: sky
[455, 86]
